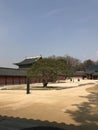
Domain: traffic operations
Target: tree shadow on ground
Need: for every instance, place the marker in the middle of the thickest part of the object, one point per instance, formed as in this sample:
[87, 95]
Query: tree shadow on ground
[87, 112]
[50, 88]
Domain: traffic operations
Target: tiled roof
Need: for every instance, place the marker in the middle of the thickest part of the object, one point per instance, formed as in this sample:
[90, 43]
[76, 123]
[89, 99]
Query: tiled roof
[93, 68]
[12, 72]
[28, 61]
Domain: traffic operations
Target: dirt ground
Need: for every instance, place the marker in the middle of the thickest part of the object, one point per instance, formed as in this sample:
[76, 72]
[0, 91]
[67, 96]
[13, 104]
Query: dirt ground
[77, 105]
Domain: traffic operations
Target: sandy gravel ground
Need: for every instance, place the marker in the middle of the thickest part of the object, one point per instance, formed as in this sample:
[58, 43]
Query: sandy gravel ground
[51, 105]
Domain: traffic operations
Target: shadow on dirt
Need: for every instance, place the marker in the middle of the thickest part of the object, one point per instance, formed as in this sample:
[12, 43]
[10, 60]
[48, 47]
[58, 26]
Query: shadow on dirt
[87, 112]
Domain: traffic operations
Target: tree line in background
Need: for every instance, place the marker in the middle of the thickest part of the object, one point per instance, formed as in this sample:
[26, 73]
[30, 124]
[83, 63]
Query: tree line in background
[76, 64]
[48, 69]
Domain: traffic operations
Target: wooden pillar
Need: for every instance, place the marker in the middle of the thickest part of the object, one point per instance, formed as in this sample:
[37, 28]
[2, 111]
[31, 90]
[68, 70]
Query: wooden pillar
[28, 86]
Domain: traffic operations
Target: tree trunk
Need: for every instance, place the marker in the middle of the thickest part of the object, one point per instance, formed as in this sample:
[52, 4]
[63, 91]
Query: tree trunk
[45, 83]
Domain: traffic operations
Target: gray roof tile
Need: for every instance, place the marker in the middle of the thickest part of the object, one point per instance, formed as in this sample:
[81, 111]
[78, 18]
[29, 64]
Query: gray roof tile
[12, 72]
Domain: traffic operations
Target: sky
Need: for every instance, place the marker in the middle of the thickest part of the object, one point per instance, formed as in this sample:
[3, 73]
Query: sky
[48, 27]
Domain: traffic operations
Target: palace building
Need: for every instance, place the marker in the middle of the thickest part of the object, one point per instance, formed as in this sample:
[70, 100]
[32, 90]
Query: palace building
[92, 72]
[17, 76]
[27, 63]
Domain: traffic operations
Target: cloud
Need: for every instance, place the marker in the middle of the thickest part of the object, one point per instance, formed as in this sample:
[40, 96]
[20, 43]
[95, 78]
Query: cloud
[54, 12]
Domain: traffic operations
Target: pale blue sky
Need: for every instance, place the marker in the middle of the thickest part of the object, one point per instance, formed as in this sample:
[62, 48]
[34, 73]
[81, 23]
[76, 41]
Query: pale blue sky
[48, 27]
